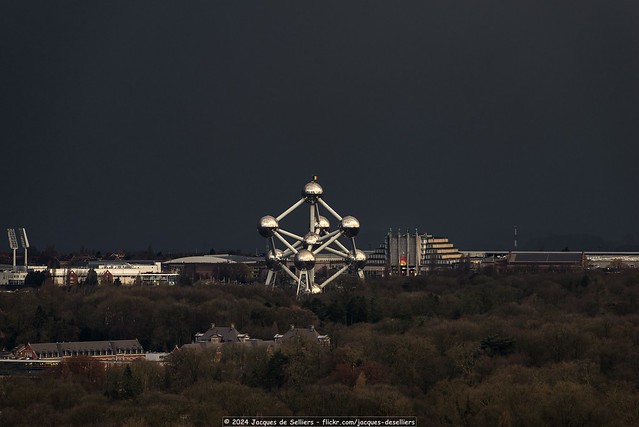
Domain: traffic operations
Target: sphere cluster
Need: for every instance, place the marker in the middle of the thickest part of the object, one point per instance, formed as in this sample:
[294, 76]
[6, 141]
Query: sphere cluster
[305, 248]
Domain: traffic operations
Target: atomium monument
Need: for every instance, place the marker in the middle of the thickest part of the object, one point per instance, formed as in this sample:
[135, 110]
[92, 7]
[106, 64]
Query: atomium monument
[304, 250]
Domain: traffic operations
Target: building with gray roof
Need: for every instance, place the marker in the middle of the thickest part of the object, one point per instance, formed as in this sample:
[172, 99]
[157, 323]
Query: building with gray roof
[546, 260]
[218, 336]
[309, 334]
[221, 334]
[222, 268]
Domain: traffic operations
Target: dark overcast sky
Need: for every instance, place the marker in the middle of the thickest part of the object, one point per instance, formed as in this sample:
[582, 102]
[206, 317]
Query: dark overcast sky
[179, 124]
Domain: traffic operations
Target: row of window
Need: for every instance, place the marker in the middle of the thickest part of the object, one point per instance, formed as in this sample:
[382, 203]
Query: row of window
[107, 352]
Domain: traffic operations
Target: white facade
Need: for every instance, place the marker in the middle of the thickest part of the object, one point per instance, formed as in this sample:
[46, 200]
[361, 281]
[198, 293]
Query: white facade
[128, 273]
[16, 276]
[612, 259]
[12, 277]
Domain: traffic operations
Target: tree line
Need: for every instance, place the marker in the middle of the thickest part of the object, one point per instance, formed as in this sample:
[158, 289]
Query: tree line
[459, 349]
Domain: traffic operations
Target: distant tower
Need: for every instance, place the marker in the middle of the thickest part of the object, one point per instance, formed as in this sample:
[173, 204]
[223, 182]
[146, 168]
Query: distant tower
[515, 242]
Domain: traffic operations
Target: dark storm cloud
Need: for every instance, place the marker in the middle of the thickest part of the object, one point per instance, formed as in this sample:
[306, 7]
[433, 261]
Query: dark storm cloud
[179, 125]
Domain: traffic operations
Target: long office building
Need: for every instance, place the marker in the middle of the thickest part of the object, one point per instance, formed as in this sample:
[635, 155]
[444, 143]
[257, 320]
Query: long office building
[114, 271]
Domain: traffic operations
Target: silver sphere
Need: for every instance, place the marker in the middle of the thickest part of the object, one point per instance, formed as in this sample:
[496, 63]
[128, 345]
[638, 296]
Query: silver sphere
[359, 260]
[304, 260]
[322, 224]
[311, 239]
[350, 226]
[273, 260]
[267, 226]
[311, 192]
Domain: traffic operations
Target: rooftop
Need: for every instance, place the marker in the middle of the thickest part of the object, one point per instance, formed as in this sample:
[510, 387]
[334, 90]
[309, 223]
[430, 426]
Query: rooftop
[215, 259]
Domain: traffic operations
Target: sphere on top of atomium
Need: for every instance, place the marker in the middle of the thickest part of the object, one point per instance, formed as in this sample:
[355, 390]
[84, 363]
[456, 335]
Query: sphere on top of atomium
[311, 238]
[273, 260]
[267, 226]
[304, 260]
[359, 260]
[350, 226]
[311, 192]
[322, 223]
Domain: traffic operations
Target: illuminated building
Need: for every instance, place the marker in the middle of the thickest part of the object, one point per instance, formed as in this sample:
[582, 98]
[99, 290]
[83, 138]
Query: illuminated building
[410, 254]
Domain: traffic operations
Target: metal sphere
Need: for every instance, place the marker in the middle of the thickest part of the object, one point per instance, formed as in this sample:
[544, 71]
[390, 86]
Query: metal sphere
[304, 260]
[350, 226]
[273, 260]
[311, 239]
[311, 192]
[322, 224]
[267, 226]
[359, 260]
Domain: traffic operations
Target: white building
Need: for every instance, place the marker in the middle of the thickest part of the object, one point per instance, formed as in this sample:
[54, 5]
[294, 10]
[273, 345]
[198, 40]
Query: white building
[16, 276]
[108, 272]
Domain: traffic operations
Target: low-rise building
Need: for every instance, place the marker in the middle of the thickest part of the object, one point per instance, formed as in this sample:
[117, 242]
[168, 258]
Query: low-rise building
[221, 334]
[613, 260]
[309, 334]
[115, 271]
[117, 350]
[223, 267]
[544, 260]
[218, 336]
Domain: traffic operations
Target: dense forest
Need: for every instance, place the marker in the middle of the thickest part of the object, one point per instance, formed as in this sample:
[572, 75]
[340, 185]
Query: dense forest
[465, 349]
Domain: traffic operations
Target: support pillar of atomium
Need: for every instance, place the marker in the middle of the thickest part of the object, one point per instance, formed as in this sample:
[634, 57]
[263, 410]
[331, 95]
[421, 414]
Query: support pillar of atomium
[304, 249]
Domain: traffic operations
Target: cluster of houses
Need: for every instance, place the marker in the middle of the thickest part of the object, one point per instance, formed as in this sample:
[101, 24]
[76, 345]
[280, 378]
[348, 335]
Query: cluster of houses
[129, 350]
